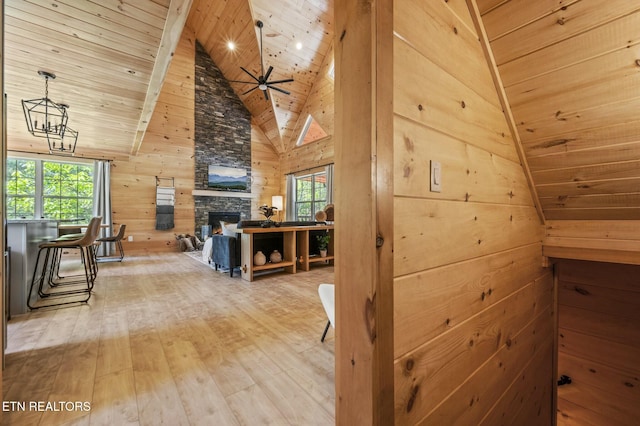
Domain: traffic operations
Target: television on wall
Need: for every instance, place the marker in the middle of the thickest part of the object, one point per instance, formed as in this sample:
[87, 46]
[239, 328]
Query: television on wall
[227, 178]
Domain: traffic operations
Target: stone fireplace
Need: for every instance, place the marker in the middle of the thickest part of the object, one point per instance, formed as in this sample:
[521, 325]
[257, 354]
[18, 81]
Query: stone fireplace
[222, 138]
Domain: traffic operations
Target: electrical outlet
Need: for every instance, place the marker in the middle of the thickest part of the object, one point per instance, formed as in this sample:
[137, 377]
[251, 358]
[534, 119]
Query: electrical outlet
[436, 176]
[130, 238]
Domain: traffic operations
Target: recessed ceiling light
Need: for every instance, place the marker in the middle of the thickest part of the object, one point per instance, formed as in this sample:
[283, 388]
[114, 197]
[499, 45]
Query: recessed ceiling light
[299, 45]
[231, 45]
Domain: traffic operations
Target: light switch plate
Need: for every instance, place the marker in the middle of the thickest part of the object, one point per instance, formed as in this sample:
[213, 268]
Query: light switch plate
[436, 176]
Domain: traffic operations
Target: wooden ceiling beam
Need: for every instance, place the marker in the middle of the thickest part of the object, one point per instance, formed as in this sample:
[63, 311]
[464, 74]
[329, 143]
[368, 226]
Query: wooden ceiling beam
[174, 24]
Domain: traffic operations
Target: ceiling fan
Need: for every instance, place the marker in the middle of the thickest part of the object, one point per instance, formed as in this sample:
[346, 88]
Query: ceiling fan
[262, 81]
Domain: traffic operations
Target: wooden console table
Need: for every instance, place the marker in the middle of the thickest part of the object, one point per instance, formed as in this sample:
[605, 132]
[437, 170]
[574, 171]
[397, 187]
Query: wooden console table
[295, 249]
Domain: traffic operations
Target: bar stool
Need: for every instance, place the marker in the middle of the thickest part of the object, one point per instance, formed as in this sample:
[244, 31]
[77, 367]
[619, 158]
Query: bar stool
[58, 286]
[93, 229]
[117, 239]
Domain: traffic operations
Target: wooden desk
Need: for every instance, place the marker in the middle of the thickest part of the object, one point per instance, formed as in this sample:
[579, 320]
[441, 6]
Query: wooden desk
[295, 249]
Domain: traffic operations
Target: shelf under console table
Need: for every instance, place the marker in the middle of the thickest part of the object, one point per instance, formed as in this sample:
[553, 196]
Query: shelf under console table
[295, 248]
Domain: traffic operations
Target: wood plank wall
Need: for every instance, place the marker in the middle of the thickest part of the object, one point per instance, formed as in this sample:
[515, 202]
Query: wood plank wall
[266, 179]
[473, 307]
[599, 343]
[308, 156]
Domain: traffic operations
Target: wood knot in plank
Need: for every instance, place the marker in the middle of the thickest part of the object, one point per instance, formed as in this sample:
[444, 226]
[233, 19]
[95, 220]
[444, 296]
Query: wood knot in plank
[582, 291]
[412, 397]
[370, 317]
[551, 144]
[409, 364]
[408, 143]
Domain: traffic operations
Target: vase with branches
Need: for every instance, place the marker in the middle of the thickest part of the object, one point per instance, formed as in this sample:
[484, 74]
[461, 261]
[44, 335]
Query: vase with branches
[268, 212]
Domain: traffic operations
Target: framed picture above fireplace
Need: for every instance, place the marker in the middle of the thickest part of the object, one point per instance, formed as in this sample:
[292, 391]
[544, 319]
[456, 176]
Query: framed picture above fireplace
[227, 178]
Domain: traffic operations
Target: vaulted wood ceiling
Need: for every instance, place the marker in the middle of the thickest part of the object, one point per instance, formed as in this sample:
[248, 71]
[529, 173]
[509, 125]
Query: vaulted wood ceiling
[570, 70]
[108, 57]
[308, 22]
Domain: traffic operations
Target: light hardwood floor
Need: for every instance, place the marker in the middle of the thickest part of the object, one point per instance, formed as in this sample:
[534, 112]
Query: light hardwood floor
[167, 340]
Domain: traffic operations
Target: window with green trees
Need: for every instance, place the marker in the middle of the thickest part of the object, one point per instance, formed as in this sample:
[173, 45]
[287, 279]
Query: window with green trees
[21, 189]
[311, 195]
[49, 189]
[67, 191]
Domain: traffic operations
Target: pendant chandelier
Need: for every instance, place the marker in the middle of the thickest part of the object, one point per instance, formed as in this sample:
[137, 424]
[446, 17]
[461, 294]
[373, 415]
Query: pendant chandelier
[47, 119]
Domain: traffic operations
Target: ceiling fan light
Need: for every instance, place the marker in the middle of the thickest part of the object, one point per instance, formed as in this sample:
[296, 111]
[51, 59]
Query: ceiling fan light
[262, 80]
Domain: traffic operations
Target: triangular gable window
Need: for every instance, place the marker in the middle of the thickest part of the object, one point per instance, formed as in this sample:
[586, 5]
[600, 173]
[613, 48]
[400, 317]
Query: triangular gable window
[311, 132]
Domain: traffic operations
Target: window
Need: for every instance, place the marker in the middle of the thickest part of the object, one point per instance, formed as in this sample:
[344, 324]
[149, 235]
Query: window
[67, 190]
[21, 189]
[311, 132]
[311, 195]
[49, 189]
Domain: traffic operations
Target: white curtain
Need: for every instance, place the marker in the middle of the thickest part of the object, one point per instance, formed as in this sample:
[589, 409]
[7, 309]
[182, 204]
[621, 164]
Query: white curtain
[102, 201]
[290, 208]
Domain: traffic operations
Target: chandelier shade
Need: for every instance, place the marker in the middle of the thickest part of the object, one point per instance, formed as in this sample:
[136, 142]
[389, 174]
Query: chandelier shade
[48, 119]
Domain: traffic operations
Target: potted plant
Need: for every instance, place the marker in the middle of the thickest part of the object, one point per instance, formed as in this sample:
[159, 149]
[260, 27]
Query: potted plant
[323, 244]
[268, 212]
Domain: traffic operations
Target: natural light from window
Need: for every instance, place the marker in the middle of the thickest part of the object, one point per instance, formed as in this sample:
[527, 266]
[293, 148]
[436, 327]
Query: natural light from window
[311, 132]
[311, 195]
[49, 189]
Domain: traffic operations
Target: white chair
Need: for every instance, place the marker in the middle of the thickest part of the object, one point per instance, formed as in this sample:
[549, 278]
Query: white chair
[327, 297]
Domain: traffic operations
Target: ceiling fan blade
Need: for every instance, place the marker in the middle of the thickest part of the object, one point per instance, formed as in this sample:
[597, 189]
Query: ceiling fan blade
[250, 90]
[250, 75]
[266, 76]
[278, 89]
[266, 94]
[240, 81]
[288, 80]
